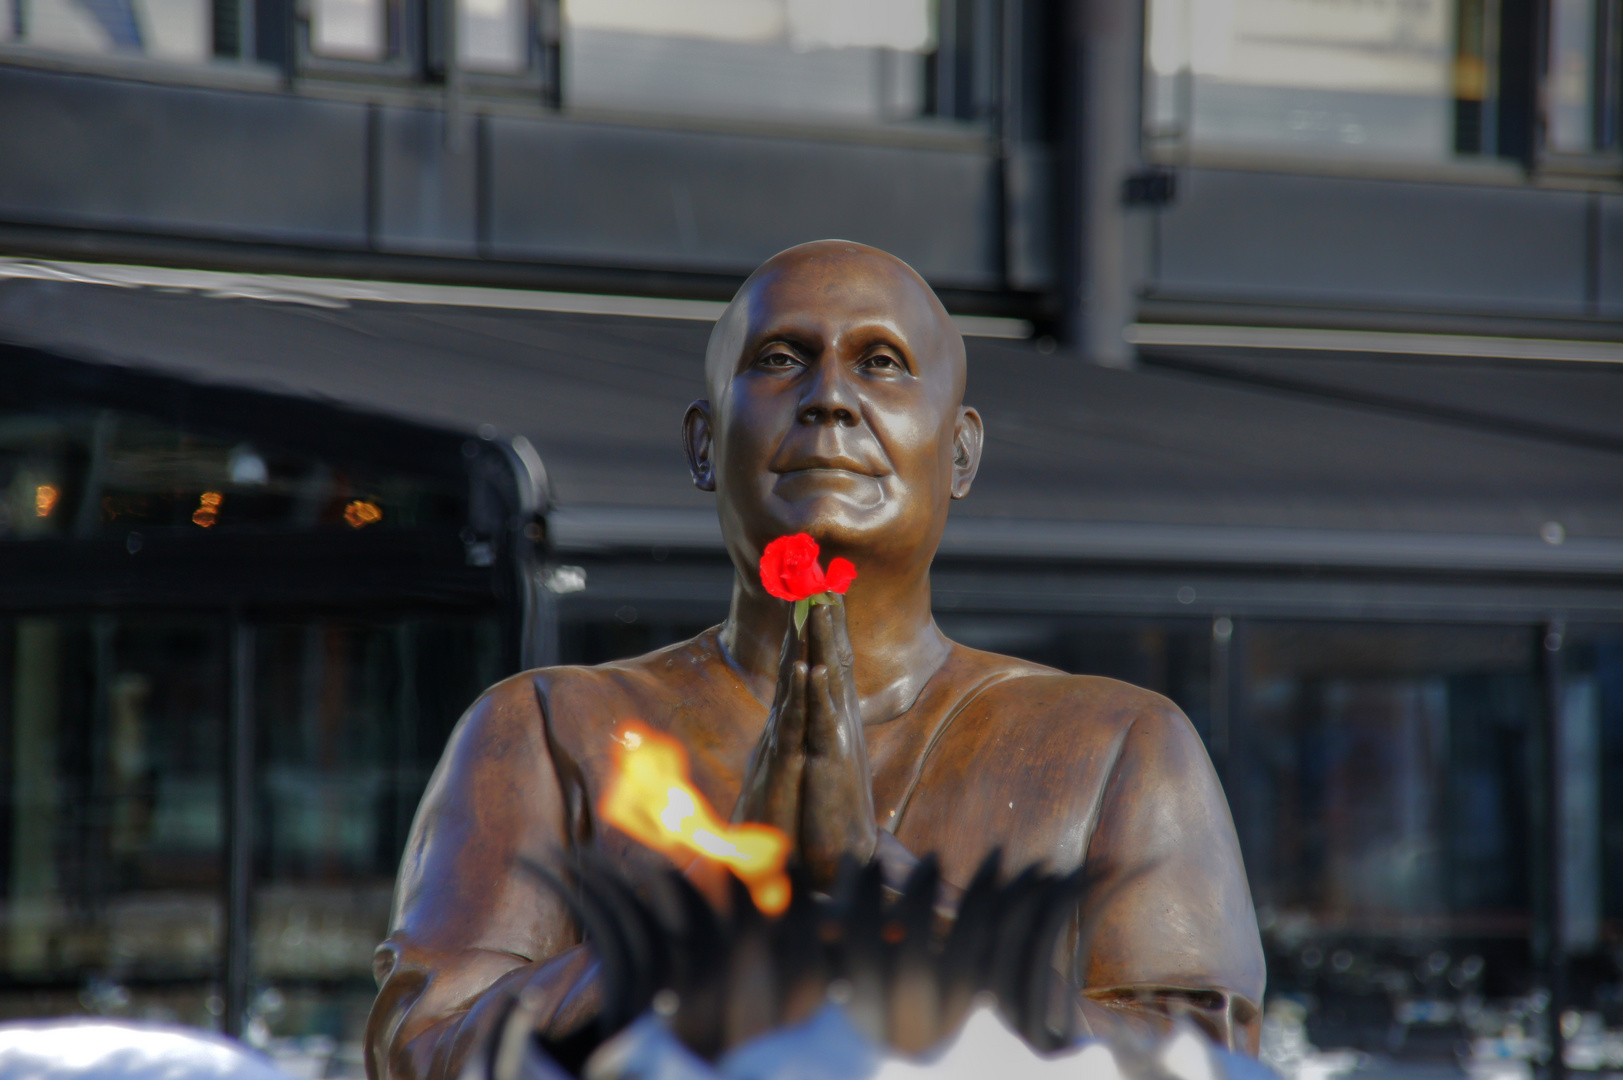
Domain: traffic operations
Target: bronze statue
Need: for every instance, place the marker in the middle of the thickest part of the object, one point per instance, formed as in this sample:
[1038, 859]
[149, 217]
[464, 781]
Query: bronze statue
[835, 408]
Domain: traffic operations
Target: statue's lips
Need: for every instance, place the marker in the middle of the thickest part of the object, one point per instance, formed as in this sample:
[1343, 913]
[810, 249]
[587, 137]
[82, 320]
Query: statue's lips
[856, 487]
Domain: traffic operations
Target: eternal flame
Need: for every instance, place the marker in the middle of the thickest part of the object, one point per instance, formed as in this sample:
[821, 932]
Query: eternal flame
[835, 382]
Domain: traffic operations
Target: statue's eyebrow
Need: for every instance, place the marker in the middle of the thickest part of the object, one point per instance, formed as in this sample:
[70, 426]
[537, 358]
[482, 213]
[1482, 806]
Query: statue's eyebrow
[804, 344]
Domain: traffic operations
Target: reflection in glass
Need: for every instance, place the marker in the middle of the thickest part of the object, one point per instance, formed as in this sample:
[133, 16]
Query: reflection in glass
[352, 718]
[493, 35]
[1476, 53]
[1382, 791]
[1570, 82]
[106, 472]
[348, 29]
[112, 732]
[1344, 77]
[163, 29]
[811, 59]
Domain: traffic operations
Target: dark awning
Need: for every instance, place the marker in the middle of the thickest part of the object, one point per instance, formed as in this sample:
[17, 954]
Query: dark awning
[1201, 456]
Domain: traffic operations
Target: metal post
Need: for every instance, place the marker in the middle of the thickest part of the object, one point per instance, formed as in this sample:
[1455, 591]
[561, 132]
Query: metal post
[1104, 50]
[239, 838]
[1549, 943]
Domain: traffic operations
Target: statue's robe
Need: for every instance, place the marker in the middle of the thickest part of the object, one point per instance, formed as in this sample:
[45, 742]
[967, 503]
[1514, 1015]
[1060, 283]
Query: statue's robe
[994, 753]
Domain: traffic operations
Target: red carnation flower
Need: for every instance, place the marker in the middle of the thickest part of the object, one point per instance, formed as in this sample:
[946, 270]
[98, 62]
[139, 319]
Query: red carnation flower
[789, 571]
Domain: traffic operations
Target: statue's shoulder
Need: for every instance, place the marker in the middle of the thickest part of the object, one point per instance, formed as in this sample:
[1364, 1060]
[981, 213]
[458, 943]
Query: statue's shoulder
[1025, 694]
[638, 686]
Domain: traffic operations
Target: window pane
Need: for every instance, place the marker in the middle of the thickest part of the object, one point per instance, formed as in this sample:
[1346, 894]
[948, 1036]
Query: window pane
[352, 717]
[1382, 789]
[1364, 80]
[851, 60]
[165, 29]
[493, 35]
[99, 472]
[348, 29]
[112, 834]
[1590, 802]
[1571, 78]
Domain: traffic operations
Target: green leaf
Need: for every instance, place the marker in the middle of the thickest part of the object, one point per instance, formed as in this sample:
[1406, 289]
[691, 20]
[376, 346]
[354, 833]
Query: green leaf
[802, 608]
[822, 598]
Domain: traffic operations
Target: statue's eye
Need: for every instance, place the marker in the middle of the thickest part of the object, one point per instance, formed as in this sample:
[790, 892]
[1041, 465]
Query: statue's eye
[778, 359]
[882, 362]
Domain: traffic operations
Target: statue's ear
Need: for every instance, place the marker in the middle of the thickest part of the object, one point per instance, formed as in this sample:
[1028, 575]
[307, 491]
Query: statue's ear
[697, 441]
[967, 437]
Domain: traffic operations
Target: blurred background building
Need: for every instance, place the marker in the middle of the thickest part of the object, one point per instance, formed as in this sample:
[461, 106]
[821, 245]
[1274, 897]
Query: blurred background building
[343, 345]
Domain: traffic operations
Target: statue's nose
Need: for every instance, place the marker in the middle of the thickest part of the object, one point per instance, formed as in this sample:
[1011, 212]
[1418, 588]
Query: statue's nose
[828, 398]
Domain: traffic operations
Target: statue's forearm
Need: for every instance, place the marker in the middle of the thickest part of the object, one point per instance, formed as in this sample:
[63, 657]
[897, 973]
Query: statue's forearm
[425, 1022]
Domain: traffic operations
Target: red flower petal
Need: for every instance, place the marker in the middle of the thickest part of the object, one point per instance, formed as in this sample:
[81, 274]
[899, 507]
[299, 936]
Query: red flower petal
[802, 576]
[789, 568]
[841, 573]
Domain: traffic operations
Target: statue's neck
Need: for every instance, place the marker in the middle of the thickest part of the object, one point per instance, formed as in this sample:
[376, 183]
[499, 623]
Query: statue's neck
[894, 639]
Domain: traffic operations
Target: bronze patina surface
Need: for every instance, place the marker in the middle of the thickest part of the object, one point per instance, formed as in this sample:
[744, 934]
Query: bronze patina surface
[835, 408]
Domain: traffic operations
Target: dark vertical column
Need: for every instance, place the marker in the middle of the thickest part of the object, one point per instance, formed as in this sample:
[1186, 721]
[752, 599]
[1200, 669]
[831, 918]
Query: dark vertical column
[273, 34]
[407, 717]
[239, 838]
[8, 759]
[227, 25]
[1521, 41]
[374, 174]
[1608, 73]
[1549, 949]
[96, 809]
[1594, 223]
[1100, 139]
[551, 34]
[484, 189]
[1222, 675]
[1005, 119]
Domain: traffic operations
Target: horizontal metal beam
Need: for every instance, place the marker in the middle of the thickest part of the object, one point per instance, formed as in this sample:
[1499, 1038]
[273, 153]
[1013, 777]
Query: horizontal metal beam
[1308, 339]
[340, 293]
[607, 529]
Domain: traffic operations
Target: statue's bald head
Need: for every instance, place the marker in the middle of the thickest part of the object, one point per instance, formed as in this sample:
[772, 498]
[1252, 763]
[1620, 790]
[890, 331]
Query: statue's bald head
[836, 384]
[836, 278]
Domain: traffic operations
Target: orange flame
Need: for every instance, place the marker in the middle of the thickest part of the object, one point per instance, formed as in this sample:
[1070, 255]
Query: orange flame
[651, 798]
[45, 497]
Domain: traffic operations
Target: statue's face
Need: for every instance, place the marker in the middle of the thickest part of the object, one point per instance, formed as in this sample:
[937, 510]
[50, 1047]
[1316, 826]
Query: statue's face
[835, 409]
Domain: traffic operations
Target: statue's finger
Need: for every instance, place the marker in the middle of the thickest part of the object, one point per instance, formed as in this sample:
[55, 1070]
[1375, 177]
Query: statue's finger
[776, 787]
[841, 636]
[831, 647]
[794, 649]
[825, 734]
[792, 716]
[845, 658]
[818, 649]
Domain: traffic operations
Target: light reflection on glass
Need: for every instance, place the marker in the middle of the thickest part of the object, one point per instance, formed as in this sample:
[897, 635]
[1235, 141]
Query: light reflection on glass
[113, 816]
[492, 35]
[178, 30]
[348, 29]
[850, 60]
[1349, 78]
[105, 471]
[1571, 79]
[208, 509]
[360, 513]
